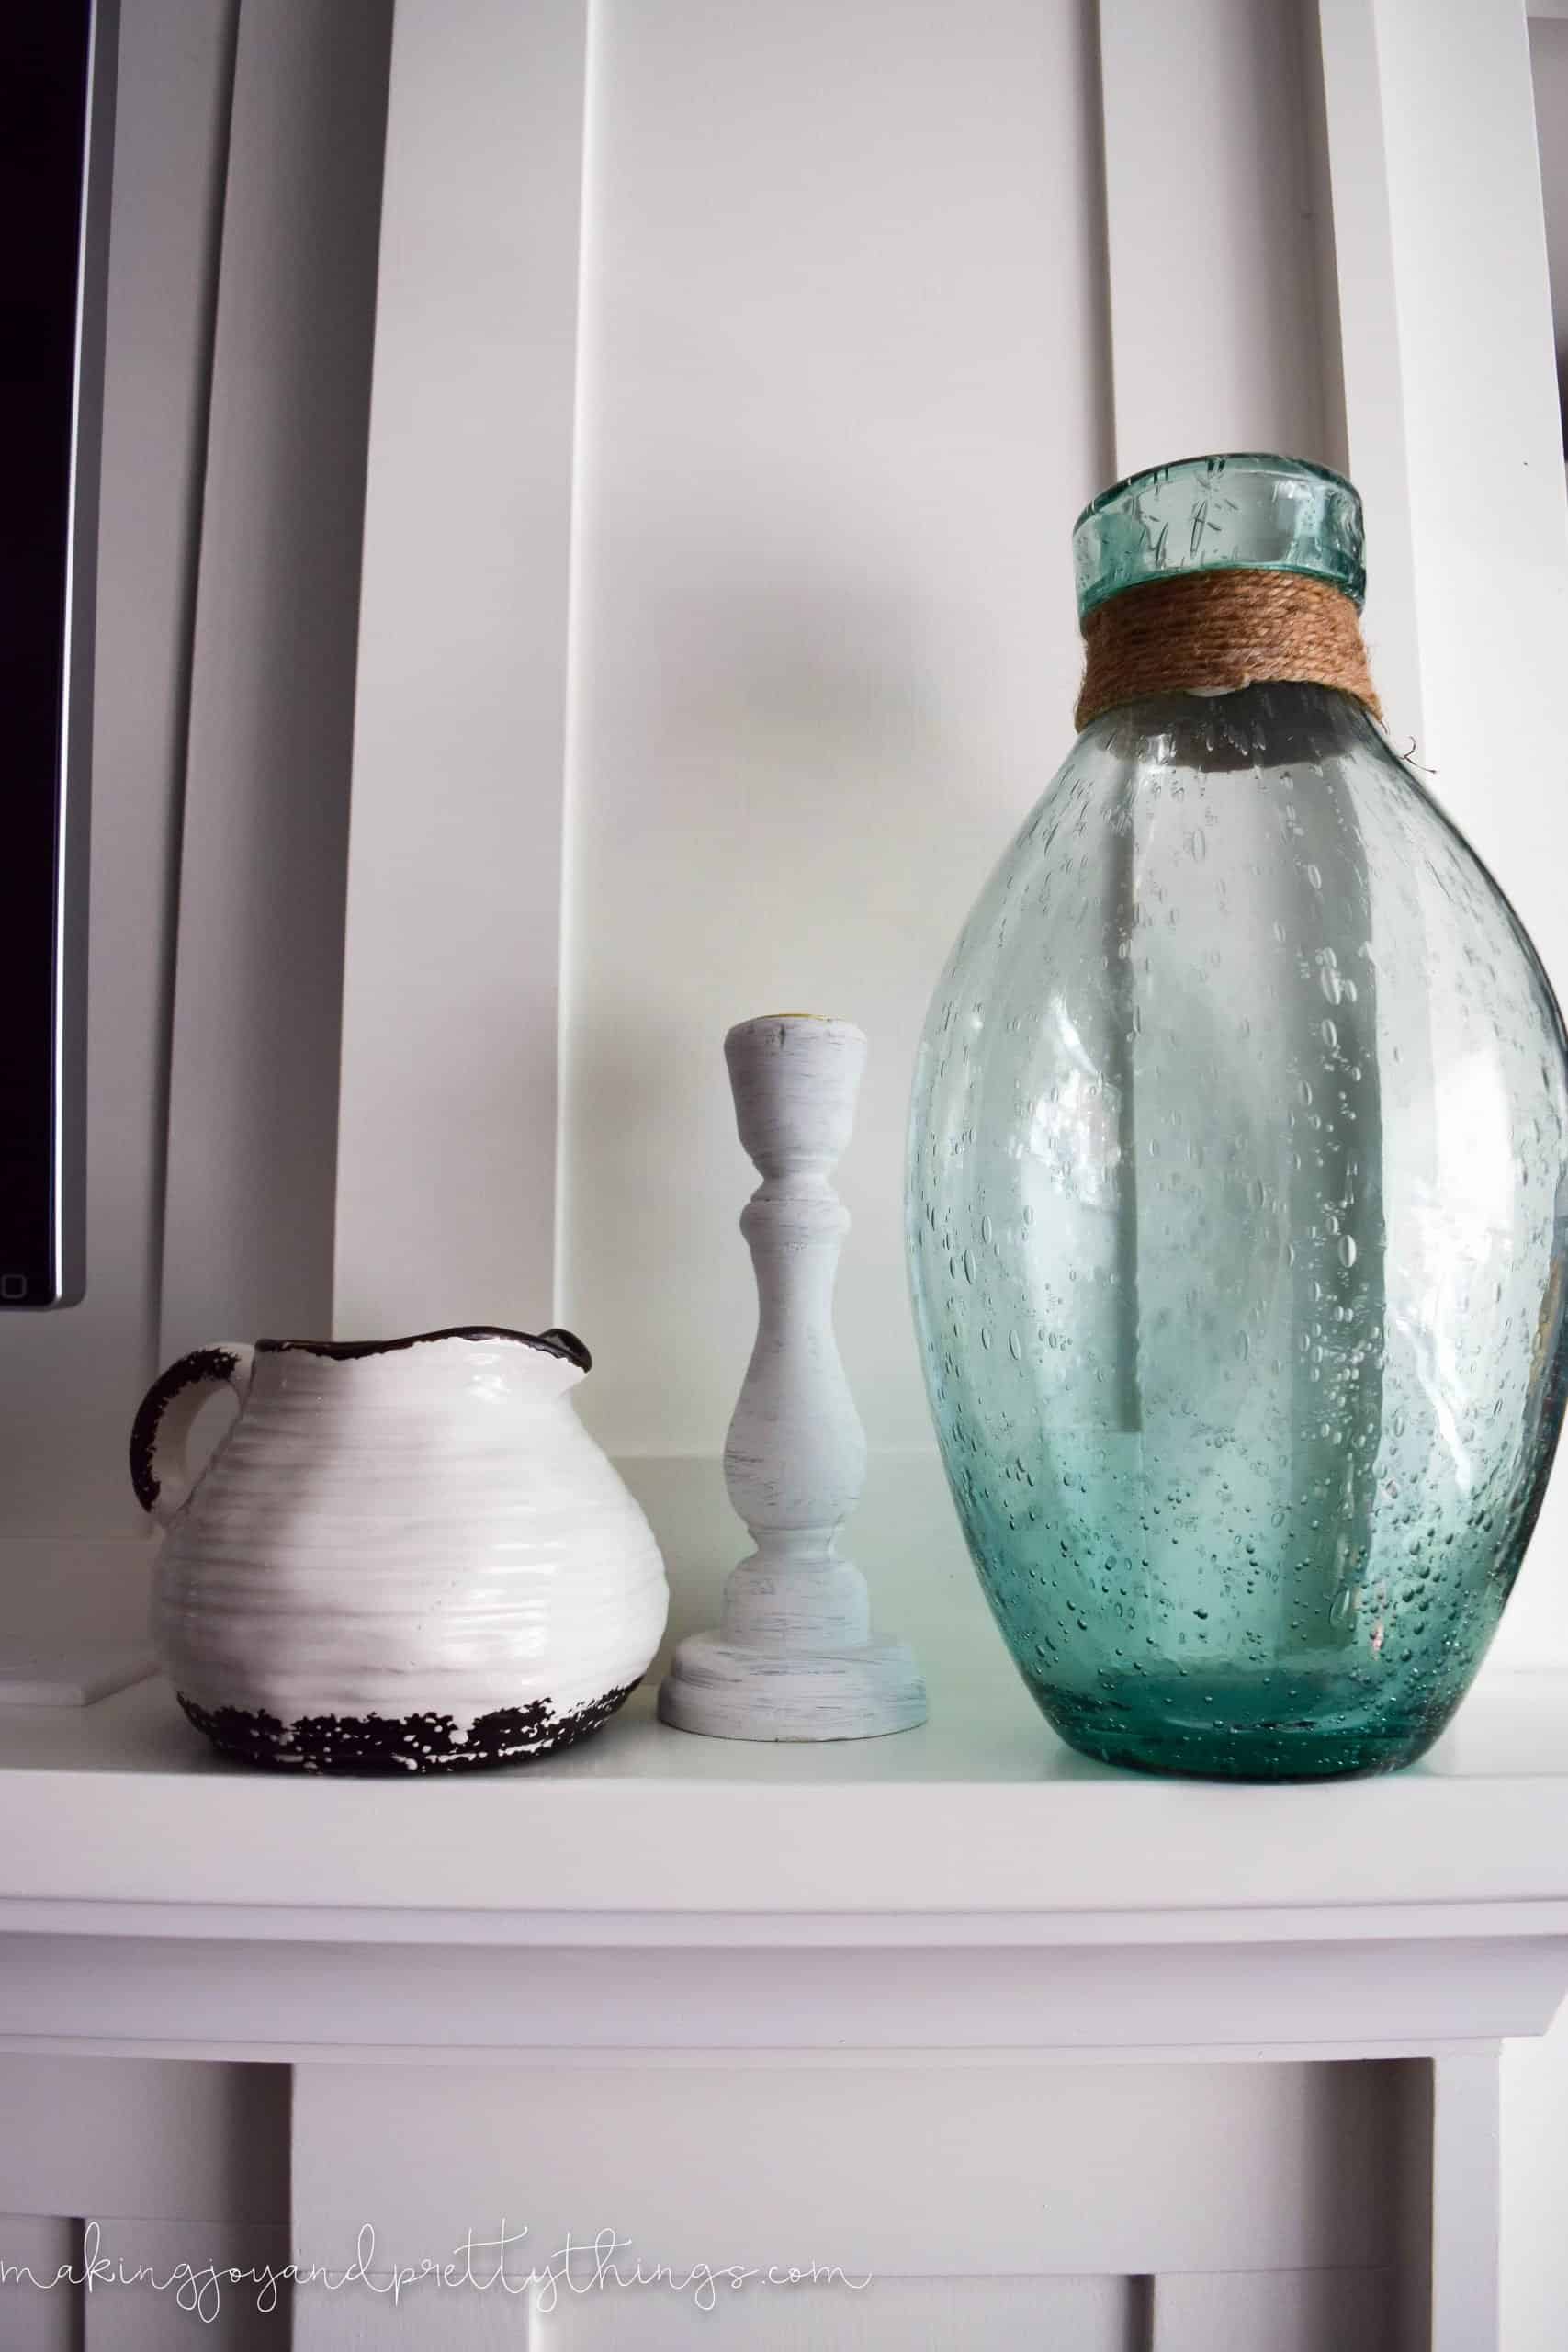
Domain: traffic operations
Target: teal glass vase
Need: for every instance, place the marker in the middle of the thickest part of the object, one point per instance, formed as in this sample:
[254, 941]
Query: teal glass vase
[1236, 1205]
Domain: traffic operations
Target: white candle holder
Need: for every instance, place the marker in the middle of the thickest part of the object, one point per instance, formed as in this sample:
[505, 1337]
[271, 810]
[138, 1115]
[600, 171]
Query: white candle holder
[793, 1657]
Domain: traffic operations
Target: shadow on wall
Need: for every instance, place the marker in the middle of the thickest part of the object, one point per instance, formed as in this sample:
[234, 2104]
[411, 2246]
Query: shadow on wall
[816, 832]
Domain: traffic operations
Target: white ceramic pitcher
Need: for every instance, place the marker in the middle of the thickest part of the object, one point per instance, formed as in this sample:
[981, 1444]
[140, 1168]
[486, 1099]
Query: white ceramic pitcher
[403, 1555]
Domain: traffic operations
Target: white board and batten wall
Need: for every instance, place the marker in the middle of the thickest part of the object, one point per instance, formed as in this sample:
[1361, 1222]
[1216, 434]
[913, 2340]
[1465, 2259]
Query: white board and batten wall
[738, 375]
[718, 624]
[863, 302]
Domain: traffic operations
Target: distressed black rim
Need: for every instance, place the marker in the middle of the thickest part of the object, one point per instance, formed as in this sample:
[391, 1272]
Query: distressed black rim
[556, 1342]
[386, 1745]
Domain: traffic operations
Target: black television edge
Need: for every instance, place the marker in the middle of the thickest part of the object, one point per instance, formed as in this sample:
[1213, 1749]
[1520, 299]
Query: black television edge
[57, 83]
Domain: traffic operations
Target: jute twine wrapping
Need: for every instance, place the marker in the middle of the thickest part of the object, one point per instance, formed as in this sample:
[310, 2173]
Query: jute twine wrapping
[1221, 630]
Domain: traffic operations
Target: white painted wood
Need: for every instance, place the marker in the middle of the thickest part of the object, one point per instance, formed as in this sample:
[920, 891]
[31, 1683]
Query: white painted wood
[65, 1378]
[978, 1811]
[137, 2135]
[794, 1457]
[944, 1892]
[414, 1557]
[1549, 81]
[837, 414]
[1299, 2311]
[75, 1611]
[1372, 358]
[162, 2164]
[137, 2307]
[1534, 2154]
[1042, 2314]
[775, 2005]
[40, 2311]
[253, 1082]
[894, 2174]
[793, 1657]
[904, 1517]
[1215, 332]
[1465, 2208]
[1316, 2151]
[447, 1146]
[88, 1670]
[363, 2319]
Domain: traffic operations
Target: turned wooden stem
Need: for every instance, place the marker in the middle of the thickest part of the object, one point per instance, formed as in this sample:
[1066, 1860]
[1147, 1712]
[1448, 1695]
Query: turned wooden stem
[793, 1657]
[795, 1458]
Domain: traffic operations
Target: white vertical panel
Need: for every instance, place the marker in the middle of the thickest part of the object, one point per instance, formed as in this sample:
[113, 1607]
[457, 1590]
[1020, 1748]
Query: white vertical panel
[161, 2136]
[1535, 2165]
[253, 1108]
[138, 2308]
[1466, 2190]
[446, 1143]
[840, 407]
[1282, 2311]
[1214, 331]
[37, 2314]
[1448, 322]
[177, 2162]
[1549, 73]
[1370, 356]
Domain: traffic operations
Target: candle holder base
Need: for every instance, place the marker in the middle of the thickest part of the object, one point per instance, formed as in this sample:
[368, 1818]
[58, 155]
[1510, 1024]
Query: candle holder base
[725, 1691]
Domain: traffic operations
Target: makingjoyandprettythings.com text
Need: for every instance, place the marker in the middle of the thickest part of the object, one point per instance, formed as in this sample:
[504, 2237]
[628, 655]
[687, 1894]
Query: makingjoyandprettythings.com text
[482, 2266]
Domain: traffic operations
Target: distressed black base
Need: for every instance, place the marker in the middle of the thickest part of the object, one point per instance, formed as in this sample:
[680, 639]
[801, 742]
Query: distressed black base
[385, 1744]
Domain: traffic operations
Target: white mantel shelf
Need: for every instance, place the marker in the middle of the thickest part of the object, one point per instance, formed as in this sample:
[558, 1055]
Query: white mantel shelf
[650, 1888]
[981, 1811]
[835, 1949]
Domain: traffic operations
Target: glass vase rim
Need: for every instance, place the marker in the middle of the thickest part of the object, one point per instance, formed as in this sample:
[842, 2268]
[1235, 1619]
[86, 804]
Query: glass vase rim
[1215, 458]
[1332, 549]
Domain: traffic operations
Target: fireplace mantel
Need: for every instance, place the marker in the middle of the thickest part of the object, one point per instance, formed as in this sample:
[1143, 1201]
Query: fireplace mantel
[965, 1900]
[1436, 1897]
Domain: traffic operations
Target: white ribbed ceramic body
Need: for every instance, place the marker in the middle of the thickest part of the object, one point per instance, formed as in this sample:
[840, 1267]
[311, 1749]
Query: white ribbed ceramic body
[424, 1530]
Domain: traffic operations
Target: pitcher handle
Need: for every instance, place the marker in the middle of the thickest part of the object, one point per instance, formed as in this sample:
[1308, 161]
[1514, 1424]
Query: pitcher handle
[158, 1469]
